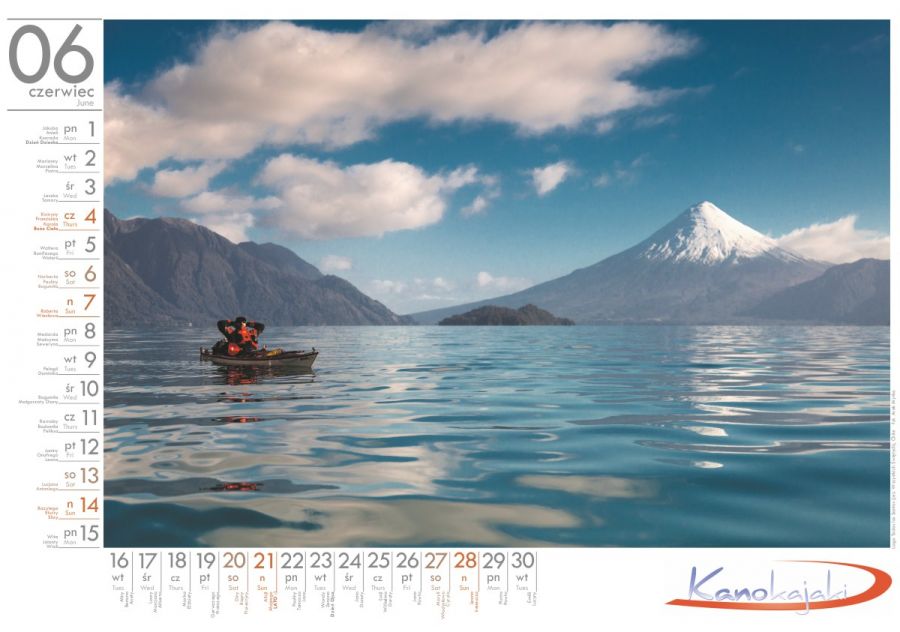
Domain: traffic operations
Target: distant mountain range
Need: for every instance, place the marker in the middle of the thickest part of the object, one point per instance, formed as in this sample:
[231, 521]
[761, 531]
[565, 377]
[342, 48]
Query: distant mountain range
[166, 270]
[853, 294]
[493, 315]
[704, 267]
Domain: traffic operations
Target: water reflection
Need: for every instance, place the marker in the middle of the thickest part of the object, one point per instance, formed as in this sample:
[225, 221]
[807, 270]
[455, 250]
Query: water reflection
[595, 486]
[236, 376]
[627, 436]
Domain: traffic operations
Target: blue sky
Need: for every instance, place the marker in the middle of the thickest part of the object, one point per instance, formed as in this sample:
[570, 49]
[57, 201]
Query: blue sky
[433, 164]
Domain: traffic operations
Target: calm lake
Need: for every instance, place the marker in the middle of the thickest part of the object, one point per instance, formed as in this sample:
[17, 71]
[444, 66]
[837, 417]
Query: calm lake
[547, 436]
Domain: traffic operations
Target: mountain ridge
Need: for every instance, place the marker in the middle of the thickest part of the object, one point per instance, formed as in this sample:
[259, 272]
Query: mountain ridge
[706, 234]
[162, 271]
[703, 267]
[857, 293]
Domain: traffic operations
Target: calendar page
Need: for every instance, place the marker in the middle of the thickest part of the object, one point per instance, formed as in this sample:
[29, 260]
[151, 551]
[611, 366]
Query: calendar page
[396, 316]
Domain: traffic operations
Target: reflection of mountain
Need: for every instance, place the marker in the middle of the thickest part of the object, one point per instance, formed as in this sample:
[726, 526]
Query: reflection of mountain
[854, 293]
[168, 270]
[703, 267]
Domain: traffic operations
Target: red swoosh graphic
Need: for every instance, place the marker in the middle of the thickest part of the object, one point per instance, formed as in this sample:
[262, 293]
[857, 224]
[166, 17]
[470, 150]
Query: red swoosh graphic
[879, 587]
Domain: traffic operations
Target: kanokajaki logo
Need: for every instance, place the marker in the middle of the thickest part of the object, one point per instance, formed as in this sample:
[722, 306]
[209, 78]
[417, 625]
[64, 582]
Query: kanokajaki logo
[798, 585]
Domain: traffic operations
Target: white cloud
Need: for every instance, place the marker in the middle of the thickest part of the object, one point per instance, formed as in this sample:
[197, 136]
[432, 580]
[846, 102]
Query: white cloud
[837, 242]
[414, 30]
[653, 120]
[487, 281]
[387, 286]
[604, 126]
[410, 295]
[184, 182]
[417, 289]
[232, 226]
[229, 214]
[323, 200]
[213, 202]
[547, 178]
[335, 263]
[490, 192]
[603, 180]
[478, 206]
[281, 83]
[626, 173]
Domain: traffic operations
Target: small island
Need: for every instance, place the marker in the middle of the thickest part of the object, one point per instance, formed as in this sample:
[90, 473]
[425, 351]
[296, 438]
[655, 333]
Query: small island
[496, 315]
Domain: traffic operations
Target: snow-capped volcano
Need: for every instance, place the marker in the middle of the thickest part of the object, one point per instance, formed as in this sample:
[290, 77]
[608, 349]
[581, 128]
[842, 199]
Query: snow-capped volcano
[702, 267]
[706, 234]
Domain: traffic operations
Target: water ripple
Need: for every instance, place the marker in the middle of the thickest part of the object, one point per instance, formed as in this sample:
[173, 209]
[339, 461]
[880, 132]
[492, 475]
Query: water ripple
[593, 436]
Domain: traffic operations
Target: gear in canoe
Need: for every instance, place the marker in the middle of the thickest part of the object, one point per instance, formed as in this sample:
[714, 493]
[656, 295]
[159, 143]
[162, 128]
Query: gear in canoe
[240, 347]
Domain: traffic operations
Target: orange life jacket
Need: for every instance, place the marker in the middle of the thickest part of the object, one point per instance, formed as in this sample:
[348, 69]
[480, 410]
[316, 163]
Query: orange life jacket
[233, 348]
[248, 334]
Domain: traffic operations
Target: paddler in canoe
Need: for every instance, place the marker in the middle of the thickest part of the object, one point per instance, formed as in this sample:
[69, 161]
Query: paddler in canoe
[241, 348]
[242, 335]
